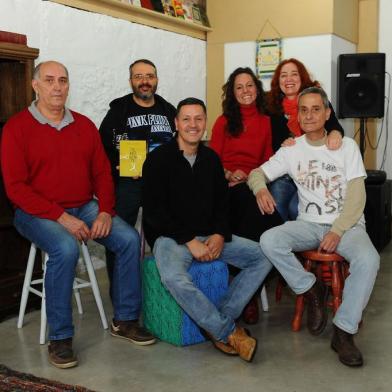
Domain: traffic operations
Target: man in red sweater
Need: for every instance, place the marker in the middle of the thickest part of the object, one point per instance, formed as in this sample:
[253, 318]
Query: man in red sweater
[58, 178]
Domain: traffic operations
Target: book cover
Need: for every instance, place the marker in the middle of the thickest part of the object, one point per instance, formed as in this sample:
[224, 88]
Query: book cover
[168, 7]
[179, 11]
[204, 17]
[187, 7]
[147, 4]
[196, 14]
[157, 4]
[132, 156]
[14, 38]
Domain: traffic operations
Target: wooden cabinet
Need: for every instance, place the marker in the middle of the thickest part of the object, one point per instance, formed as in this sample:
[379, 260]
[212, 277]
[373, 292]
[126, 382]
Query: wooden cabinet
[16, 70]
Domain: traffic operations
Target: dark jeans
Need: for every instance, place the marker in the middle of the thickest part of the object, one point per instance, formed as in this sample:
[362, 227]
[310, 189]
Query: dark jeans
[285, 194]
[128, 201]
[246, 220]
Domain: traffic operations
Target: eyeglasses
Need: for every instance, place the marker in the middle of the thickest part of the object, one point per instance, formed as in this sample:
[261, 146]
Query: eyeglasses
[143, 77]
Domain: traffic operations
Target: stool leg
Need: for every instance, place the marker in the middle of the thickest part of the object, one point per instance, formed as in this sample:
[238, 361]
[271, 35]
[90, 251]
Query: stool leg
[337, 286]
[279, 289]
[299, 310]
[94, 285]
[264, 299]
[142, 244]
[77, 298]
[42, 333]
[299, 304]
[26, 284]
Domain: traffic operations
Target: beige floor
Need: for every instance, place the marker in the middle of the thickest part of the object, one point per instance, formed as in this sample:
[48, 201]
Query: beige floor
[285, 361]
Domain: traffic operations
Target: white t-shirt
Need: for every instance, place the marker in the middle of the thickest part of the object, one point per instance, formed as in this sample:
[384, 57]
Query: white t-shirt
[321, 176]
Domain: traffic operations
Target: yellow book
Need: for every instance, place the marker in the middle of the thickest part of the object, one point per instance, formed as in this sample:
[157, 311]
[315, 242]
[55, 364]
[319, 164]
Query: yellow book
[132, 156]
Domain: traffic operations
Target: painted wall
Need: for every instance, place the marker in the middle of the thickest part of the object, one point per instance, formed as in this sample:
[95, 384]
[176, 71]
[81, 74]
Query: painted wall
[234, 21]
[322, 67]
[97, 50]
[385, 45]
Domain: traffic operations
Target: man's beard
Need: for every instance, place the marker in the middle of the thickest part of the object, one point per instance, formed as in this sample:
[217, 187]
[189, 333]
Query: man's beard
[147, 95]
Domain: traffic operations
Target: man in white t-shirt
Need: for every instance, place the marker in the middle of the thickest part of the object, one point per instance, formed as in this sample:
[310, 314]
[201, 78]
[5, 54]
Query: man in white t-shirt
[332, 197]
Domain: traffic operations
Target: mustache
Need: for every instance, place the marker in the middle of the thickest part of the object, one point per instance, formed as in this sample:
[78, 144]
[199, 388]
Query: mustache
[145, 85]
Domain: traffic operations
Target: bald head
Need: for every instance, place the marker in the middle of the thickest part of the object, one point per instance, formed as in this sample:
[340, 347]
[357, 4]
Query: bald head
[37, 69]
[51, 86]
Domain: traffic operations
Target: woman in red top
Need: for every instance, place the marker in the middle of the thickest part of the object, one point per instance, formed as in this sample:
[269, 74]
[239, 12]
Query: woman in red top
[242, 138]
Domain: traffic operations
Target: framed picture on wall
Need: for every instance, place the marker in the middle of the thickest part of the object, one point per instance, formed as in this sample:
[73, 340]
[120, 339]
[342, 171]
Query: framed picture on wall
[268, 55]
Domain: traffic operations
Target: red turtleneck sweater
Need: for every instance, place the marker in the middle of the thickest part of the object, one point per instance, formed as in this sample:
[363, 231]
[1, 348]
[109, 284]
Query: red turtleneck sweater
[251, 148]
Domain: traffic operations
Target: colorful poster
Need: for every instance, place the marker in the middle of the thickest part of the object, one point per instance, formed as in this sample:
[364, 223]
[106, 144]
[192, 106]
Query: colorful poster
[268, 54]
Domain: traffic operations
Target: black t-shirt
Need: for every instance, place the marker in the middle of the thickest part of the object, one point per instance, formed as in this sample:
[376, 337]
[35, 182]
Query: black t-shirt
[146, 123]
[126, 120]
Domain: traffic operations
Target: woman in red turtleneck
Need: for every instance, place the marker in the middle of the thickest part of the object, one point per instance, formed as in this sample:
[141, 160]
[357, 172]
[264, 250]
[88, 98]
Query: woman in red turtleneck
[242, 138]
[249, 149]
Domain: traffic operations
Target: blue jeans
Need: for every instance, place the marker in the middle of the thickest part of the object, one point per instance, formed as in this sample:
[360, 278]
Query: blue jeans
[173, 261]
[128, 201]
[63, 251]
[279, 243]
[285, 193]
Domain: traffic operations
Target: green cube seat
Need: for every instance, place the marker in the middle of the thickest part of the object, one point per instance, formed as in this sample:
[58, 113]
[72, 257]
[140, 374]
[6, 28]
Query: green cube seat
[163, 317]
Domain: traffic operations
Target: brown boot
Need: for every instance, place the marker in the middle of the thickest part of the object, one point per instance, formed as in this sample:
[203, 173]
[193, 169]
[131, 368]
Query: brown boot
[221, 346]
[61, 354]
[343, 343]
[250, 314]
[242, 343]
[317, 307]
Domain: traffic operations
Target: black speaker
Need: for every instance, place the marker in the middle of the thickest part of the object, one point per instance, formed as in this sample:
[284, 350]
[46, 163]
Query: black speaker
[378, 213]
[361, 85]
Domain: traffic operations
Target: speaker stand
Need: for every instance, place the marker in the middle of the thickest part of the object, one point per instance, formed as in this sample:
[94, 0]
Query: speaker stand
[362, 128]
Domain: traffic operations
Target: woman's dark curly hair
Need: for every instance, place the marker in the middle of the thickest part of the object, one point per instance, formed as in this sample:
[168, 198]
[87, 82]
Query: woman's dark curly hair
[275, 95]
[230, 105]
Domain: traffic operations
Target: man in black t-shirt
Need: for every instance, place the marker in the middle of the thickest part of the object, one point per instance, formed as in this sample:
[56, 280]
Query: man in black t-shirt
[141, 115]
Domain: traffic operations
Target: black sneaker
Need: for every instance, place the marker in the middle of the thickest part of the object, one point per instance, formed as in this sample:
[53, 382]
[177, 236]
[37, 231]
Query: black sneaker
[132, 331]
[61, 354]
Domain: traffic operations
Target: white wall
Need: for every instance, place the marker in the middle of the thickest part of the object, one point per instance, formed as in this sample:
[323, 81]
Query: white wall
[385, 46]
[97, 50]
[319, 54]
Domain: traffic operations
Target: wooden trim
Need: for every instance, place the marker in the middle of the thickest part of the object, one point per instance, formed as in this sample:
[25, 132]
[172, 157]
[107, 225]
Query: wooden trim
[139, 15]
[17, 51]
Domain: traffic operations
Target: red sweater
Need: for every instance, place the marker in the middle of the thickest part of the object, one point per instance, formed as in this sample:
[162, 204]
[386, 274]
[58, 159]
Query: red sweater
[46, 171]
[251, 148]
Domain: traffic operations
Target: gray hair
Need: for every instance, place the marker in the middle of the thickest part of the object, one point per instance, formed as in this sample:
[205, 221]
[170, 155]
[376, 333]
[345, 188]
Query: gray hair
[315, 90]
[36, 72]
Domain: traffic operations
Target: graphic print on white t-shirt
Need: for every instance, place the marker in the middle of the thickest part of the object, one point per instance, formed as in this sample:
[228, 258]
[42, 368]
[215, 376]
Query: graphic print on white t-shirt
[321, 176]
[322, 182]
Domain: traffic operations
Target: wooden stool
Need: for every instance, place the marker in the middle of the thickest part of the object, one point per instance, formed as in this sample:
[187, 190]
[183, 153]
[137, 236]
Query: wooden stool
[332, 269]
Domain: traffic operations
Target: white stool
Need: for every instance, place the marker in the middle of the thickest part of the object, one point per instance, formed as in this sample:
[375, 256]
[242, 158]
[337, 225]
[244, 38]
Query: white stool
[264, 299]
[78, 284]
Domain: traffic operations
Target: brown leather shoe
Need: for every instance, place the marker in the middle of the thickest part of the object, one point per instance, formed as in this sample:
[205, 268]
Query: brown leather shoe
[317, 307]
[132, 331]
[242, 343]
[250, 314]
[223, 347]
[61, 354]
[343, 343]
